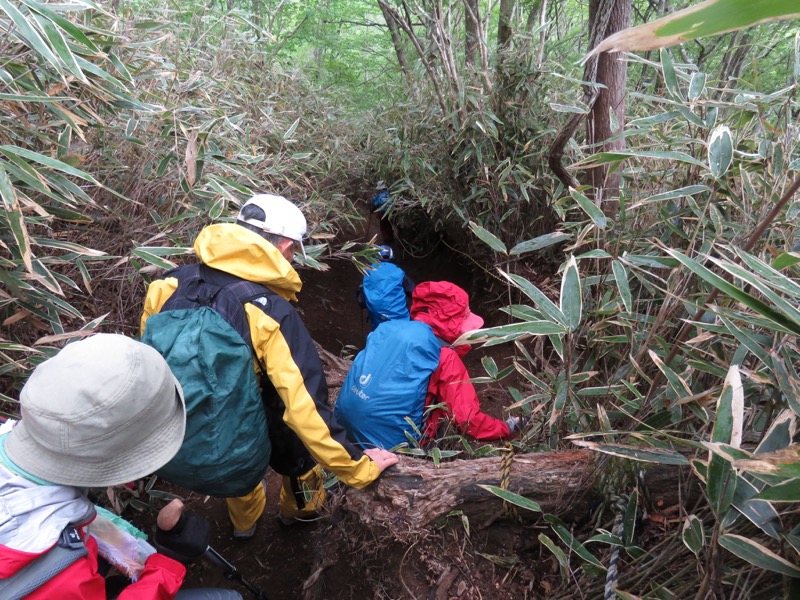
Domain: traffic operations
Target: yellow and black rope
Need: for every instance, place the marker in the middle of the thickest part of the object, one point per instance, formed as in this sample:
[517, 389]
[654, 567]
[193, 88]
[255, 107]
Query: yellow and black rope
[505, 480]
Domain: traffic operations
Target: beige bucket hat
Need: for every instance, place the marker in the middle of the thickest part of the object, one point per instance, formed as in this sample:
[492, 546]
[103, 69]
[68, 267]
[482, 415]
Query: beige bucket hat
[104, 411]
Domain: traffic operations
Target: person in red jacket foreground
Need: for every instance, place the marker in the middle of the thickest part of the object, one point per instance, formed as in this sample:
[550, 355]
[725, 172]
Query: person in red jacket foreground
[445, 308]
[104, 411]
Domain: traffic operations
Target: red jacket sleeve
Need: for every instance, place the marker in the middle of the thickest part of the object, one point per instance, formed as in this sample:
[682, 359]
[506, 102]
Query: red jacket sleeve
[450, 385]
[160, 580]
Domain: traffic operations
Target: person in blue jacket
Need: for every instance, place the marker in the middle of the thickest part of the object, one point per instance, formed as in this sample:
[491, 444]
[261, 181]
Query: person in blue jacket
[385, 290]
[381, 203]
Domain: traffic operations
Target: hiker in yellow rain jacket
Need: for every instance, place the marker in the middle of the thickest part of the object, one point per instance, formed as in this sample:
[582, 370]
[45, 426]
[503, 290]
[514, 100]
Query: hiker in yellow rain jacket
[259, 248]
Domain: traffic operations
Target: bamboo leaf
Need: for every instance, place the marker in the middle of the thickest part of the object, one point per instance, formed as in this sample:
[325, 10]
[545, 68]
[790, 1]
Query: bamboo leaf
[784, 462]
[488, 238]
[621, 277]
[690, 190]
[730, 410]
[602, 158]
[787, 380]
[693, 535]
[711, 17]
[746, 340]
[44, 276]
[759, 512]
[542, 302]
[670, 77]
[648, 455]
[780, 433]
[581, 110]
[788, 491]
[511, 332]
[571, 295]
[563, 561]
[59, 45]
[697, 85]
[15, 220]
[763, 285]
[65, 24]
[558, 344]
[513, 498]
[542, 241]
[152, 259]
[785, 260]
[29, 35]
[69, 247]
[679, 387]
[590, 208]
[721, 484]
[756, 554]
[720, 151]
[14, 151]
[564, 534]
[490, 366]
[292, 128]
[754, 303]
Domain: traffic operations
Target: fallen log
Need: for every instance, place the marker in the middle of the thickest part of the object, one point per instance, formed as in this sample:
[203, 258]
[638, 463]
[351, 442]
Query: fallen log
[415, 492]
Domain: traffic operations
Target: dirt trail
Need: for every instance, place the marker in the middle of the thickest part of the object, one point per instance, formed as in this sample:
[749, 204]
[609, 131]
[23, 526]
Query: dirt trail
[280, 559]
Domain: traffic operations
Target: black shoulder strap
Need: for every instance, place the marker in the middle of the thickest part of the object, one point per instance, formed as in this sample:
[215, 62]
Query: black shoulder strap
[244, 290]
[68, 549]
[200, 285]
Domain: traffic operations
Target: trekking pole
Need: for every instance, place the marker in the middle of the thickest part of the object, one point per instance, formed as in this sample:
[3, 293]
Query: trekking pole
[191, 541]
[232, 573]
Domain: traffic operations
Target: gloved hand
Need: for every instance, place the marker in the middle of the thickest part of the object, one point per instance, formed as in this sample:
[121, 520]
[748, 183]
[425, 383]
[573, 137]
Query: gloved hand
[516, 424]
[180, 535]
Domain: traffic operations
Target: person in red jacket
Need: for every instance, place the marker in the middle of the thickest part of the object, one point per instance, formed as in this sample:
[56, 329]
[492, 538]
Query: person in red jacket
[445, 308]
[104, 411]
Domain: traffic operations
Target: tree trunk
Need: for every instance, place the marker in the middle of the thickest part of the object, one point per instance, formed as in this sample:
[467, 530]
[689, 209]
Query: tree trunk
[536, 16]
[471, 31]
[612, 73]
[397, 42]
[504, 31]
[415, 492]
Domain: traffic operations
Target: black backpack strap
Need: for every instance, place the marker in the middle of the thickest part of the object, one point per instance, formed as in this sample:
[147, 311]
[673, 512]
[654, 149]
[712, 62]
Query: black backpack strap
[245, 291]
[200, 285]
[69, 549]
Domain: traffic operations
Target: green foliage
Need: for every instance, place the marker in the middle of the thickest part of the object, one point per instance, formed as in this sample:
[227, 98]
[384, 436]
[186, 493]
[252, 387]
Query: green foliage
[110, 146]
[58, 83]
[122, 135]
[699, 174]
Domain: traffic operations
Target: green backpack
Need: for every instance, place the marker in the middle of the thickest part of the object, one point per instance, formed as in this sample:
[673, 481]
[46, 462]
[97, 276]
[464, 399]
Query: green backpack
[203, 334]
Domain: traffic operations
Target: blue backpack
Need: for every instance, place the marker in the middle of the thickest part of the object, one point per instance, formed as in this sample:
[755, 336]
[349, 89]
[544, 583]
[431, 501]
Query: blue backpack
[387, 383]
[203, 334]
[384, 294]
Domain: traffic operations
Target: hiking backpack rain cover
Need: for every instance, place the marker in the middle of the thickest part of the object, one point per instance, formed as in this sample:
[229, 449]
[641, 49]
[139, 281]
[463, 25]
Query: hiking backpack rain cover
[388, 383]
[203, 333]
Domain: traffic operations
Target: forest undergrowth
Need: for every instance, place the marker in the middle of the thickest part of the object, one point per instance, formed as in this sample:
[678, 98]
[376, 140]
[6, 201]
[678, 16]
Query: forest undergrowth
[663, 332]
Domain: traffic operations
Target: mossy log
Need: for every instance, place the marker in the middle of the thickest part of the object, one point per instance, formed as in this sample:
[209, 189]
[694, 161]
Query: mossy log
[414, 493]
